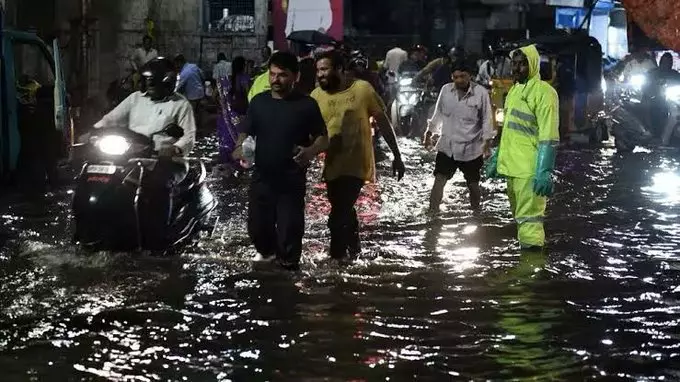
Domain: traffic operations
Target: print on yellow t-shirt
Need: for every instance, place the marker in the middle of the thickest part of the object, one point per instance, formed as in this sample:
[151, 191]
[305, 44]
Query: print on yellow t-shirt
[346, 113]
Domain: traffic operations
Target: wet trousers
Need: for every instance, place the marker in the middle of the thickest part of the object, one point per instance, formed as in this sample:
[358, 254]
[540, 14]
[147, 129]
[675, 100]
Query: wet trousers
[276, 217]
[343, 223]
[528, 209]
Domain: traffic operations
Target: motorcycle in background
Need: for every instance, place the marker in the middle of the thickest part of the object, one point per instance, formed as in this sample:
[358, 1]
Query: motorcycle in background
[403, 108]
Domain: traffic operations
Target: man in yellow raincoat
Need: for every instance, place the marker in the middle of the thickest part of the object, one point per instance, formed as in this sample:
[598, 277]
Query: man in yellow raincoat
[260, 85]
[526, 155]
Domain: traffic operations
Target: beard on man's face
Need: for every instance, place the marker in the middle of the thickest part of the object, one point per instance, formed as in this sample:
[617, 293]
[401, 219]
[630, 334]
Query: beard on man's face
[329, 82]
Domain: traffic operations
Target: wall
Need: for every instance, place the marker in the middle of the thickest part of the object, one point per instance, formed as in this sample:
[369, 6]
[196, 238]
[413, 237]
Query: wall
[118, 26]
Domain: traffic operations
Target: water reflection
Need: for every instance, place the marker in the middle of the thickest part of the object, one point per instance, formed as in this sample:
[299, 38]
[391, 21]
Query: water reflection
[528, 319]
[430, 299]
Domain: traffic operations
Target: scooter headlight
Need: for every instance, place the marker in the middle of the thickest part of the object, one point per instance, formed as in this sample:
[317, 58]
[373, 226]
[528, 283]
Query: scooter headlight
[405, 81]
[637, 81]
[500, 115]
[113, 145]
[673, 93]
[408, 98]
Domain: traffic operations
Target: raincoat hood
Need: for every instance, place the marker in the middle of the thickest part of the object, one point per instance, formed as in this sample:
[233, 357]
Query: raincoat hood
[534, 59]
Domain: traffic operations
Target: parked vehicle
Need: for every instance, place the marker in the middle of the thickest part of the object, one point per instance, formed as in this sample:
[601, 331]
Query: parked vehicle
[34, 126]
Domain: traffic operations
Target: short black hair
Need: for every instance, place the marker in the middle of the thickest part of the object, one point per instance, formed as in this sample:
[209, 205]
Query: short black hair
[286, 61]
[147, 38]
[337, 59]
[462, 65]
[180, 59]
[221, 57]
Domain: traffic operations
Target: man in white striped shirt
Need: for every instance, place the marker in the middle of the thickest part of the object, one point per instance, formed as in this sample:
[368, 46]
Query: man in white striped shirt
[463, 120]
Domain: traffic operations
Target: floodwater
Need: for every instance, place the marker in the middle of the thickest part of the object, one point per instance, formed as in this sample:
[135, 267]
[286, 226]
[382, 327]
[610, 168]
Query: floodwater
[441, 299]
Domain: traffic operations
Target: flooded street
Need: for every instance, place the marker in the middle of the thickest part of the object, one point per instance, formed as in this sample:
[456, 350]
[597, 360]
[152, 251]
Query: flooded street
[432, 300]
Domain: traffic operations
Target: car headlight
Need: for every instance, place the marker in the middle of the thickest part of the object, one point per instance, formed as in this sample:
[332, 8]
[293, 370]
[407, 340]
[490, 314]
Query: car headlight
[673, 93]
[113, 145]
[405, 81]
[637, 81]
[500, 115]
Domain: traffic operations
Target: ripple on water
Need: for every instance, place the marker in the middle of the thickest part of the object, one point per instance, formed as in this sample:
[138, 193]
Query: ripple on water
[430, 299]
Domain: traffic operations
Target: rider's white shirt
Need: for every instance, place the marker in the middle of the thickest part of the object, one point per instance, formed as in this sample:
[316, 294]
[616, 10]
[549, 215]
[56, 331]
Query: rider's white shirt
[144, 116]
[394, 58]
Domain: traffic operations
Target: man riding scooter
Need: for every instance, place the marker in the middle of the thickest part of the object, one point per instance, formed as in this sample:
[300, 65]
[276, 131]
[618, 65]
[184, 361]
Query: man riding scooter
[438, 71]
[416, 60]
[654, 96]
[151, 111]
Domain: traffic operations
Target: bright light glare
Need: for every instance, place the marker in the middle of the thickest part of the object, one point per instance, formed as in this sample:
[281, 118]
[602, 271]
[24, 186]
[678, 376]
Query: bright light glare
[408, 98]
[604, 85]
[637, 81]
[673, 93]
[113, 145]
[667, 183]
[469, 229]
[500, 115]
[406, 81]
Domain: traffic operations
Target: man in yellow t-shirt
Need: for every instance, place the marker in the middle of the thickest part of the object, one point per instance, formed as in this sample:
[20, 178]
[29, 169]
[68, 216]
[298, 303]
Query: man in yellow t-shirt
[346, 106]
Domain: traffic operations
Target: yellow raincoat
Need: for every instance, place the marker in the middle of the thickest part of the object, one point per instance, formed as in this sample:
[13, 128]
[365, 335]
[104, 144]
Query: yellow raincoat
[260, 85]
[526, 154]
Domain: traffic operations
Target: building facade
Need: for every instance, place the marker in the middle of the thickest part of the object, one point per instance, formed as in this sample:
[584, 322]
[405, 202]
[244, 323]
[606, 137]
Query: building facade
[97, 37]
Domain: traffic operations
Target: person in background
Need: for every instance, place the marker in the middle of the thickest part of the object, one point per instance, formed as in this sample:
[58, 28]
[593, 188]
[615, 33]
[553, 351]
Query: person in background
[639, 61]
[233, 98]
[307, 81]
[222, 69]
[190, 84]
[463, 120]
[439, 69]
[250, 68]
[260, 85]
[394, 58]
[289, 132]
[653, 96]
[416, 61]
[496, 65]
[528, 148]
[358, 69]
[346, 106]
[265, 54]
[141, 56]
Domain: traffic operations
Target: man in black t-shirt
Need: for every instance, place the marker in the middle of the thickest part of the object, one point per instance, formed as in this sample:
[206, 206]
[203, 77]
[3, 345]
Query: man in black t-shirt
[289, 132]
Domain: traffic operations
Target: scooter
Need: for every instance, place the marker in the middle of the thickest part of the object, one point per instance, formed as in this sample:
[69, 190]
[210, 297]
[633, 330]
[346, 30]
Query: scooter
[111, 207]
[403, 107]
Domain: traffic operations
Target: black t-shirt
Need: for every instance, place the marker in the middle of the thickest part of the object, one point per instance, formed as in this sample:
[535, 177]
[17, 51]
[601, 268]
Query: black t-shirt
[279, 125]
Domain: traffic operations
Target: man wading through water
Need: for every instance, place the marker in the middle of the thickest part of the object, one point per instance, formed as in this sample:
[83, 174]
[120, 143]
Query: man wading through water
[462, 116]
[526, 155]
[289, 132]
[346, 106]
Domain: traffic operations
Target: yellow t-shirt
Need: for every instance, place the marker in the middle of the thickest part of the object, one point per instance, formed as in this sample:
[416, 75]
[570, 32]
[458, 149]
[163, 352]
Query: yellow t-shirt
[347, 114]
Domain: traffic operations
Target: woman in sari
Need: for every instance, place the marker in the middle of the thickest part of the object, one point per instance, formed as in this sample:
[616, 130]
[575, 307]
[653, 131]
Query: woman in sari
[233, 98]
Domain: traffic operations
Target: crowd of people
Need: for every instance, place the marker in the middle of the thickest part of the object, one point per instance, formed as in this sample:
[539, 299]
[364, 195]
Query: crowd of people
[292, 121]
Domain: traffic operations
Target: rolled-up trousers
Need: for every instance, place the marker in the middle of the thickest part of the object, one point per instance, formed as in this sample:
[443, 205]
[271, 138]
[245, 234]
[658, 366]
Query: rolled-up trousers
[528, 210]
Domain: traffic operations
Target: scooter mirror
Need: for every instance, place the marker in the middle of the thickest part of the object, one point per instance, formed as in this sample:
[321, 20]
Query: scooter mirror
[173, 130]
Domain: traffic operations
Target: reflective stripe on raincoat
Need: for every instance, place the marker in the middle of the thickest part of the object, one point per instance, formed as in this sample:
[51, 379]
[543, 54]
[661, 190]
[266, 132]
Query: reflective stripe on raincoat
[531, 119]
